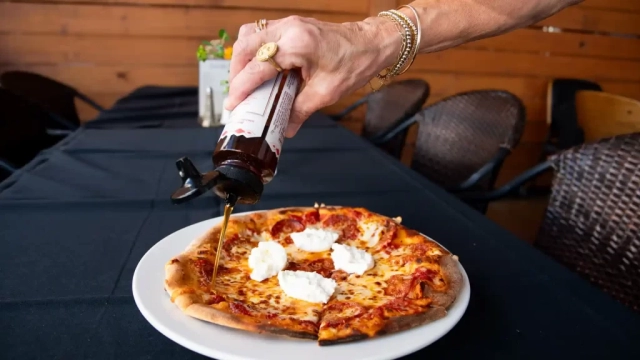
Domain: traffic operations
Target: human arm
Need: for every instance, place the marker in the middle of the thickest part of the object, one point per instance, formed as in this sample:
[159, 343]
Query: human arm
[337, 59]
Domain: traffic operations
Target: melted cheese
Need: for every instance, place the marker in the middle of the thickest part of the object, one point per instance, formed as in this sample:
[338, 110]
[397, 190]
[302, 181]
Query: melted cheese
[370, 232]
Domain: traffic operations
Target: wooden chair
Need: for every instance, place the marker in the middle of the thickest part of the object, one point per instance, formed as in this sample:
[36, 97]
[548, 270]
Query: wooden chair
[564, 131]
[54, 97]
[463, 140]
[388, 107]
[602, 115]
[591, 224]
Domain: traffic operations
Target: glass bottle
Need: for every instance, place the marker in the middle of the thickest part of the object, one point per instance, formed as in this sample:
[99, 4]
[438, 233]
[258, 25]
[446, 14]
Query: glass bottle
[247, 153]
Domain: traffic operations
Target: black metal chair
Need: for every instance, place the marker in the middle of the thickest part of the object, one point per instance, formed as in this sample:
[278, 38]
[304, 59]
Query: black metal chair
[388, 107]
[22, 132]
[592, 222]
[56, 98]
[464, 139]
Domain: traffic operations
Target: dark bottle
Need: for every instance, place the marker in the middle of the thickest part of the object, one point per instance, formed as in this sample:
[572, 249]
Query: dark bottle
[246, 155]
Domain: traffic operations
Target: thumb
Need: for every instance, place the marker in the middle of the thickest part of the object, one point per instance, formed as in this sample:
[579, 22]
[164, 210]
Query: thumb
[305, 104]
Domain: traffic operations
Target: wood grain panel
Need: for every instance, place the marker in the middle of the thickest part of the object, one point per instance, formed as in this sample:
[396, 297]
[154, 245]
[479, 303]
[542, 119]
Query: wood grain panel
[574, 44]
[589, 19]
[620, 5]
[59, 49]
[336, 6]
[49, 49]
[505, 63]
[67, 19]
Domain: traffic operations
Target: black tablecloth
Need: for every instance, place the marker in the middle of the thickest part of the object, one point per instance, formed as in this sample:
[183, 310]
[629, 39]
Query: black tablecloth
[152, 107]
[75, 222]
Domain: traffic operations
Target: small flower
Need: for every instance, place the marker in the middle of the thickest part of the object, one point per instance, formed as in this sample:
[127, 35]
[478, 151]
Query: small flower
[228, 51]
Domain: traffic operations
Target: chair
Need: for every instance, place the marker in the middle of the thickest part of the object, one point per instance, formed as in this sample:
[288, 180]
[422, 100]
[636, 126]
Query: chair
[592, 222]
[564, 131]
[602, 115]
[22, 132]
[390, 106]
[463, 140]
[53, 96]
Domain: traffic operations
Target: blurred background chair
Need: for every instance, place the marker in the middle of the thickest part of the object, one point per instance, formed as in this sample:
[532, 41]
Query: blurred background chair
[463, 140]
[602, 115]
[54, 97]
[388, 107]
[592, 222]
[23, 133]
[564, 131]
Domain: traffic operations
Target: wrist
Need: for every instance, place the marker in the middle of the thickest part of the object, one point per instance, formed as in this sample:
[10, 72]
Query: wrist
[385, 40]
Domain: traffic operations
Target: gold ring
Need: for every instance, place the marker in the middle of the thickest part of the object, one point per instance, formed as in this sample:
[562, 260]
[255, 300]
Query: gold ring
[267, 52]
[261, 25]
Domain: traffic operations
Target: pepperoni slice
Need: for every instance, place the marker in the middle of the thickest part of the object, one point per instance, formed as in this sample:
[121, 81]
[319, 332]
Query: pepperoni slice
[339, 275]
[204, 270]
[388, 236]
[399, 286]
[400, 306]
[424, 274]
[308, 325]
[323, 267]
[347, 224]
[339, 312]
[419, 250]
[357, 214]
[240, 308]
[214, 299]
[287, 226]
[338, 220]
[230, 242]
[311, 217]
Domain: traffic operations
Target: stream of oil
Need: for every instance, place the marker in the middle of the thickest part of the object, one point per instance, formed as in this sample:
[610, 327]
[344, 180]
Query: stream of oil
[228, 208]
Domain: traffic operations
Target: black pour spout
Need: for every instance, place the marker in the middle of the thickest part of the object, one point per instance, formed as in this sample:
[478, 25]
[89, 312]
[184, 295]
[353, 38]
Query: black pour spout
[224, 181]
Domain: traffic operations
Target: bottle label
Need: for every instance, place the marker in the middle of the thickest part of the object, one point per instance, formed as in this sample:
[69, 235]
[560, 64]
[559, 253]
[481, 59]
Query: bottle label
[249, 118]
[278, 126]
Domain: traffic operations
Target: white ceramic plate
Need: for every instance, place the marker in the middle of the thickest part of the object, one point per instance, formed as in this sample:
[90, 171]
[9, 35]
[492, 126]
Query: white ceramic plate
[229, 344]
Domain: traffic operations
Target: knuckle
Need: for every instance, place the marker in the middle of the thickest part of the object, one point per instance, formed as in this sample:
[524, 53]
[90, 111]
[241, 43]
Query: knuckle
[240, 46]
[327, 95]
[294, 19]
[246, 29]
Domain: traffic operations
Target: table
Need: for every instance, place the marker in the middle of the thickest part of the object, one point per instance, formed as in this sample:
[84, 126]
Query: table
[151, 107]
[75, 222]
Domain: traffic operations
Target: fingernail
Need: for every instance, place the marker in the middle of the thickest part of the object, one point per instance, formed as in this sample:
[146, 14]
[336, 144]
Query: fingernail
[226, 104]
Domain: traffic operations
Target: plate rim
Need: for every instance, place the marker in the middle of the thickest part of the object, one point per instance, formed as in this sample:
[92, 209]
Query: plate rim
[461, 301]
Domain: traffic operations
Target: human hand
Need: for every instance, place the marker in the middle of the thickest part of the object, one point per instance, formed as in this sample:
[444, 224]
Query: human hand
[334, 60]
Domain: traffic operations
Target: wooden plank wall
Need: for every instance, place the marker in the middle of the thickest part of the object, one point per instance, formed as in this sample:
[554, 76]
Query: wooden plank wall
[107, 48]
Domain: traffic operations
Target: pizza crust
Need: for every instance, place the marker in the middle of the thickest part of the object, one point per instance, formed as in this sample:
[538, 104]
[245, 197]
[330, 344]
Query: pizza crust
[451, 270]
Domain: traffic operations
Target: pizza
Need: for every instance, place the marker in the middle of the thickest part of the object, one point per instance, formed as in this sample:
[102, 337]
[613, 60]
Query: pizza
[331, 274]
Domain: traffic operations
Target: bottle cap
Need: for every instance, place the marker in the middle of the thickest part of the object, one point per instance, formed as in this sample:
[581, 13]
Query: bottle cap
[244, 184]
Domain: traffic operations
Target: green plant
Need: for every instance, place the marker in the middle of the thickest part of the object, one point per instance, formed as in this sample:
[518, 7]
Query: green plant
[214, 49]
[226, 86]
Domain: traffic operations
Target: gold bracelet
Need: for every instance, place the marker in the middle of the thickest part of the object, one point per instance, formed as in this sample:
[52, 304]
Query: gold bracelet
[416, 43]
[386, 73]
[403, 49]
[419, 26]
[409, 37]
